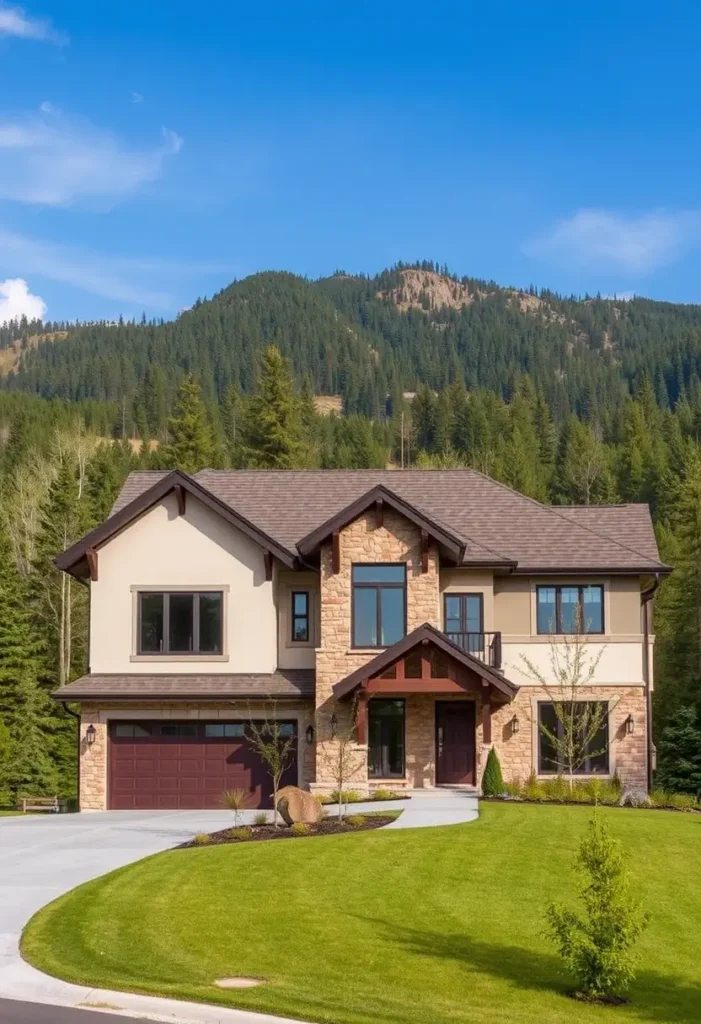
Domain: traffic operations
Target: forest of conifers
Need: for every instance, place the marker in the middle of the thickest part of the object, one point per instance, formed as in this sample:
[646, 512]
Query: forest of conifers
[568, 401]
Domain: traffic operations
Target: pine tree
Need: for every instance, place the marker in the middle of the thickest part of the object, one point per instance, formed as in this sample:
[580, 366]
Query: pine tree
[191, 443]
[19, 638]
[272, 429]
[28, 767]
[679, 754]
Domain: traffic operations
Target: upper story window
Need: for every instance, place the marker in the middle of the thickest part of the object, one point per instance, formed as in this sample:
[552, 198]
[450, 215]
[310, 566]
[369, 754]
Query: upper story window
[300, 616]
[180, 623]
[464, 620]
[379, 604]
[570, 609]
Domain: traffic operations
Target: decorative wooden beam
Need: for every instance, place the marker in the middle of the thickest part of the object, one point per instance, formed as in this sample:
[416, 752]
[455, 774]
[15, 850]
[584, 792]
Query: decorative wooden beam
[336, 552]
[91, 555]
[424, 551]
[361, 719]
[268, 562]
[399, 670]
[425, 664]
[486, 723]
[181, 495]
[379, 513]
[391, 686]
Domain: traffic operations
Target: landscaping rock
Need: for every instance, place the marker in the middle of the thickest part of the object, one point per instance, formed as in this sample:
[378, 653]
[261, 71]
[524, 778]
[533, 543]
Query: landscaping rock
[296, 805]
[634, 798]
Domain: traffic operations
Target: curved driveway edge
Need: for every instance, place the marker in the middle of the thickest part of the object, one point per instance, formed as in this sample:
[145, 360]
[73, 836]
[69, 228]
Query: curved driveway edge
[45, 856]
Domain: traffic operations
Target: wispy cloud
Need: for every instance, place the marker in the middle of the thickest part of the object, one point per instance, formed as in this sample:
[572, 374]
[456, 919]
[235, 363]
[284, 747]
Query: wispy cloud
[635, 245]
[14, 21]
[136, 97]
[115, 278]
[50, 159]
[17, 301]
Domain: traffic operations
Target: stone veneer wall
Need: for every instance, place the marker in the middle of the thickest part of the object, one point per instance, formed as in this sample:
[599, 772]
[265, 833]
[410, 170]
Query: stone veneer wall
[93, 759]
[627, 753]
[397, 540]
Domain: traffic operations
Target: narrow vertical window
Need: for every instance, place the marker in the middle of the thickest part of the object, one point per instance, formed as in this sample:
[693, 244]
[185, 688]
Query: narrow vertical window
[300, 616]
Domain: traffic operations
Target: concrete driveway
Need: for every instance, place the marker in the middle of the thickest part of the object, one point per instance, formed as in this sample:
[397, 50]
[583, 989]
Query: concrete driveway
[43, 856]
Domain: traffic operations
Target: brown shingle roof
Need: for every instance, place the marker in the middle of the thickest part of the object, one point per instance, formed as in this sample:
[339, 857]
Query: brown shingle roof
[497, 523]
[292, 683]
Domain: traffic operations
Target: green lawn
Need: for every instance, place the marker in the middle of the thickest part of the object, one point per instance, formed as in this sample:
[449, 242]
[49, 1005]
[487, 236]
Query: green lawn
[431, 925]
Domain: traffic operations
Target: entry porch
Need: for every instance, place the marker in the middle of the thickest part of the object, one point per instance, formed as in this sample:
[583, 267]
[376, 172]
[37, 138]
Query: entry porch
[422, 710]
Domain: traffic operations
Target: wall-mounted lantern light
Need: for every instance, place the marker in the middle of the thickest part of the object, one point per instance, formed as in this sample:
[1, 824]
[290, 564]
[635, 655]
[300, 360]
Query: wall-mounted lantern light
[334, 725]
[310, 734]
[630, 725]
[90, 735]
[515, 725]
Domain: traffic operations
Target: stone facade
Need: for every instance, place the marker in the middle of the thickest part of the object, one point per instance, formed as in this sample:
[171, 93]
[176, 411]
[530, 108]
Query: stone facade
[396, 540]
[94, 758]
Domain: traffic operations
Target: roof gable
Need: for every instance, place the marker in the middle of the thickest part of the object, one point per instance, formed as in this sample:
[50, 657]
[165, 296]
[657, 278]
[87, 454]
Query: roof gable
[75, 560]
[381, 496]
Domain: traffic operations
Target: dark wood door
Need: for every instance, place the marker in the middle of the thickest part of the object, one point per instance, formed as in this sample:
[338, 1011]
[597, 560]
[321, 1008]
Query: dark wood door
[455, 743]
[179, 765]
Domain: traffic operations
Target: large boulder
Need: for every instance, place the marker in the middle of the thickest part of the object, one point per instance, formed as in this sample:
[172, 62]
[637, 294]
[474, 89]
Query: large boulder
[297, 805]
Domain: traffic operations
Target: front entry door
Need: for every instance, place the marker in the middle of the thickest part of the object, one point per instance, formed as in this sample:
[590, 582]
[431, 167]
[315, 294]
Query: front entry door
[455, 743]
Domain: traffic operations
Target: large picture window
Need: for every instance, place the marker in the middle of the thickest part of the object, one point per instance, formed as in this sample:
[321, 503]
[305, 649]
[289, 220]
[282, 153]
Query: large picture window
[379, 605]
[570, 609]
[386, 739]
[180, 623]
[595, 759]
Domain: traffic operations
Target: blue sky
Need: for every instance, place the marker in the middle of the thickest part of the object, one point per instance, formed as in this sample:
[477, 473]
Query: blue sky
[150, 152]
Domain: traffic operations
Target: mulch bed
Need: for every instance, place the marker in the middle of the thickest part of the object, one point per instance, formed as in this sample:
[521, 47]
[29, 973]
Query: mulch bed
[327, 827]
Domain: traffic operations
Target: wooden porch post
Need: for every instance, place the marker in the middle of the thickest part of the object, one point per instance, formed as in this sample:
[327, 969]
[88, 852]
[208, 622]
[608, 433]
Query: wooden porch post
[486, 723]
[361, 719]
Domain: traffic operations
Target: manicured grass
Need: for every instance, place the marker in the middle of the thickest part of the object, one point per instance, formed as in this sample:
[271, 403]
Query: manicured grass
[418, 925]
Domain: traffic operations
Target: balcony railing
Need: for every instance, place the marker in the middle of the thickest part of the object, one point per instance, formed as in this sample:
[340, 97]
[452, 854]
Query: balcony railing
[485, 646]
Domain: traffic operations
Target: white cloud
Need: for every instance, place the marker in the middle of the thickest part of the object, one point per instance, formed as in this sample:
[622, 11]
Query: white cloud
[50, 159]
[122, 280]
[136, 97]
[636, 245]
[14, 21]
[17, 301]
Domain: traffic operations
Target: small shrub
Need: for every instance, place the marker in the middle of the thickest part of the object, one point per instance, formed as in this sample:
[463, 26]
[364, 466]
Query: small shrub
[681, 801]
[355, 820]
[348, 796]
[201, 839]
[513, 788]
[261, 818]
[556, 789]
[235, 800]
[533, 789]
[299, 828]
[492, 780]
[324, 798]
[597, 946]
[616, 782]
[386, 794]
[658, 798]
[241, 832]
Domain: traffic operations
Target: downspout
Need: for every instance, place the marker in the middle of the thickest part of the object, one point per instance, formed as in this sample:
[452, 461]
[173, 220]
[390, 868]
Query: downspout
[76, 715]
[645, 597]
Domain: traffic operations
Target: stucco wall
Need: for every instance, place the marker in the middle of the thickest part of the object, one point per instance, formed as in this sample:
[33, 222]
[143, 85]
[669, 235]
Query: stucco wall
[199, 550]
[292, 653]
[470, 581]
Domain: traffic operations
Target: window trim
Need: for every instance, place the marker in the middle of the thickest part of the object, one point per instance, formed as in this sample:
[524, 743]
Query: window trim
[168, 655]
[611, 767]
[293, 618]
[391, 700]
[558, 587]
[462, 593]
[378, 612]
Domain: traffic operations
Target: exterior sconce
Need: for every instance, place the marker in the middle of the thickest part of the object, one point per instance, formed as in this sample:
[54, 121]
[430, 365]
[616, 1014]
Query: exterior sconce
[334, 725]
[515, 725]
[90, 735]
[310, 734]
[630, 725]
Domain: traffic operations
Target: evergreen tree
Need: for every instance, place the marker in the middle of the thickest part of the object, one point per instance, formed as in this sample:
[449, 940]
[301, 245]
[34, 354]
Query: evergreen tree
[28, 768]
[19, 645]
[272, 429]
[679, 754]
[191, 443]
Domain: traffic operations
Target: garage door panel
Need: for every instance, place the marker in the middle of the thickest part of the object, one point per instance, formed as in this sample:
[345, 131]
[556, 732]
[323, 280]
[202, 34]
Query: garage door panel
[165, 766]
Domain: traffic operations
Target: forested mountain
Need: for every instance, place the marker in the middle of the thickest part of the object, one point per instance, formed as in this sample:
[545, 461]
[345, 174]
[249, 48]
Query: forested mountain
[368, 339]
[568, 401]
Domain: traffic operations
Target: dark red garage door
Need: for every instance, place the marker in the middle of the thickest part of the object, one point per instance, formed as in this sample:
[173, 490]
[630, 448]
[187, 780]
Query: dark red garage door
[171, 765]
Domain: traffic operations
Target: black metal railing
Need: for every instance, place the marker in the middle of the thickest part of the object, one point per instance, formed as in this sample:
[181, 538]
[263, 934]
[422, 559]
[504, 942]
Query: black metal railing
[485, 646]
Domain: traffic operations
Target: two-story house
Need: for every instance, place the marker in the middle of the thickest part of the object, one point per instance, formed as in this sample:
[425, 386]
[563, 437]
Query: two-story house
[399, 606]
